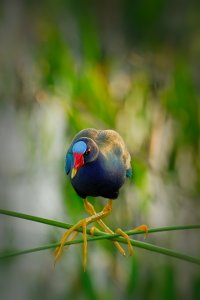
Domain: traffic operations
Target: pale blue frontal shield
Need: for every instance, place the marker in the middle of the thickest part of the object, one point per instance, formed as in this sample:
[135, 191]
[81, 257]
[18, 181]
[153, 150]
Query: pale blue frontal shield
[79, 147]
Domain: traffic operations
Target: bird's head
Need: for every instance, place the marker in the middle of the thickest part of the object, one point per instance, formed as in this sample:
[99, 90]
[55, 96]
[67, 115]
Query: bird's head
[84, 151]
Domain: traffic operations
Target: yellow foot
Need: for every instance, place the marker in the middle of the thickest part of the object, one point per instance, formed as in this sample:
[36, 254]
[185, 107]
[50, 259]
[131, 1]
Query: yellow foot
[124, 235]
[143, 228]
[83, 223]
[109, 231]
[59, 249]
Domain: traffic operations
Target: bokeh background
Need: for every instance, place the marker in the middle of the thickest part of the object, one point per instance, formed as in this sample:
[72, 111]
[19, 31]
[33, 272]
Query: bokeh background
[129, 65]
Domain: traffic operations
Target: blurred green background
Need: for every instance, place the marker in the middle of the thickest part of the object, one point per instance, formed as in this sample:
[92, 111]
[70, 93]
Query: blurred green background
[129, 65]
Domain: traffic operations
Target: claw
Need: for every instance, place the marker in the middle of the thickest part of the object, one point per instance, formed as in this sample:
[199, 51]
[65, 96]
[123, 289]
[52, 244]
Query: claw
[143, 228]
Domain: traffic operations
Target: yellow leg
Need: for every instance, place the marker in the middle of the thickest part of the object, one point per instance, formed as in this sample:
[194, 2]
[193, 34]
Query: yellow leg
[84, 244]
[90, 210]
[83, 223]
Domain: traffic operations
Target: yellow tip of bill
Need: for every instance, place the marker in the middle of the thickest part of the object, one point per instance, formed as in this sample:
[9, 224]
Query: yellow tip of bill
[73, 173]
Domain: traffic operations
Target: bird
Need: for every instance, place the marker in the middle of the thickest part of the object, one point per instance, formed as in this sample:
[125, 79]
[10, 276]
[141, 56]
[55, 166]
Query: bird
[97, 163]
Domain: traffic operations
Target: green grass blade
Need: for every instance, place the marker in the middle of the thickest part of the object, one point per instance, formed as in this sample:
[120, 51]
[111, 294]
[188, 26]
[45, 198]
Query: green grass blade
[115, 237]
[34, 218]
[101, 235]
[67, 226]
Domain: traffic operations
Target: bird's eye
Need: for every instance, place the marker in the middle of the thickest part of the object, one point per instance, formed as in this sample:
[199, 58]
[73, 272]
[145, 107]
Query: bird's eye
[87, 151]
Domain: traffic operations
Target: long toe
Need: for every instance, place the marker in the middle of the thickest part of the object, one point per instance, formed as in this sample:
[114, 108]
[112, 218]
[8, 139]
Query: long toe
[124, 235]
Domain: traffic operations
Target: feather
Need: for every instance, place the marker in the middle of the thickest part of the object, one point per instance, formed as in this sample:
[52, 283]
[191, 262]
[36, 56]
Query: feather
[129, 173]
[68, 162]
